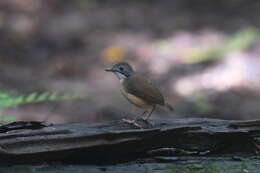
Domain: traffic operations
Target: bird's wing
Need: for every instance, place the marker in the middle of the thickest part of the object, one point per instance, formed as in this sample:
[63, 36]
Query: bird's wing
[143, 89]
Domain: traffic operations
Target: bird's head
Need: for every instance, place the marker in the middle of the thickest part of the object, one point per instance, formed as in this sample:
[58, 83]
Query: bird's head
[122, 70]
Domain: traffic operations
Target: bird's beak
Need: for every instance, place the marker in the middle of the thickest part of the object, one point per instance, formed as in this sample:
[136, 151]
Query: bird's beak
[109, 70]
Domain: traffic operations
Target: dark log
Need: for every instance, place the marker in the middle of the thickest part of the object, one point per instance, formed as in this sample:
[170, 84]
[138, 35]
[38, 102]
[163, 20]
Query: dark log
[30, 142]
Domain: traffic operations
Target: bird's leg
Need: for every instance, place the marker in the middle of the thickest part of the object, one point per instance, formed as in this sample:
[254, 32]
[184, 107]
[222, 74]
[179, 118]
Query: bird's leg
[140, 115]
[146, 119]
[133, 122]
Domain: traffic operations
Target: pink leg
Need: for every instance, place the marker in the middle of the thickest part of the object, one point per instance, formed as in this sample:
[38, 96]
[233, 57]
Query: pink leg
[138, 116]
[146, 119]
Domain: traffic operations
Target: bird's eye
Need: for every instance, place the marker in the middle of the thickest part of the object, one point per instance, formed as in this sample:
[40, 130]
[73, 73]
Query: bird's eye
[121, 68]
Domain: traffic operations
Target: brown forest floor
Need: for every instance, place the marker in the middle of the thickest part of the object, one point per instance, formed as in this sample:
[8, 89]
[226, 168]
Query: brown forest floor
[63, 46]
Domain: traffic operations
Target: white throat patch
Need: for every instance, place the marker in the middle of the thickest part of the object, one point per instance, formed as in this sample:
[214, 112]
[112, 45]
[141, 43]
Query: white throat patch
[120, 76]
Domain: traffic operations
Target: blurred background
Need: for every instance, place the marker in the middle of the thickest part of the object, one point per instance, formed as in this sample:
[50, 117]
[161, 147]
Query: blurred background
[203, 55]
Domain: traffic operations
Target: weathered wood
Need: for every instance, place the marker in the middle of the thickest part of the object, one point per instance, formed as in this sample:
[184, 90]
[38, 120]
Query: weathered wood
[27, 142]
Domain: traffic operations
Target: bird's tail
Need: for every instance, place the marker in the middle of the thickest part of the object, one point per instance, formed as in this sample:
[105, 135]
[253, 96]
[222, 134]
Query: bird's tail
[169, 107]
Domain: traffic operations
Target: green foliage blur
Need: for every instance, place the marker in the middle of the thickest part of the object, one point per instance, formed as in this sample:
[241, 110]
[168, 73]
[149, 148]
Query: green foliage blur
[9, 101]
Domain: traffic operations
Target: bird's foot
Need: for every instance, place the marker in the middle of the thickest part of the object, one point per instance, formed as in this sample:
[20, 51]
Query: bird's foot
[146, 120]
[132, 122]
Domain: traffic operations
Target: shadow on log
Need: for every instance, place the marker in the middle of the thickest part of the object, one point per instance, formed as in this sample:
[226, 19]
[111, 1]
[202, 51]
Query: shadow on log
[115, 142]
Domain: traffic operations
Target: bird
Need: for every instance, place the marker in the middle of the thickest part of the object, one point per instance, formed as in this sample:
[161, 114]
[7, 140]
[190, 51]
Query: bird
[139, 91]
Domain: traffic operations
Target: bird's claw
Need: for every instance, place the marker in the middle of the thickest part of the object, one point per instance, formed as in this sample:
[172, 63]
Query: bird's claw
[132, 122]
[146, 120]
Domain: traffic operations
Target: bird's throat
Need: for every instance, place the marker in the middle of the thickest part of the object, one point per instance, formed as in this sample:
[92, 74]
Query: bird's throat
[120, 76]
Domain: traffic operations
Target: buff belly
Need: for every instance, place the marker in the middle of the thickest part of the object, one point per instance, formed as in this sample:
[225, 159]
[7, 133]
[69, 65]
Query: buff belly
[136, 100]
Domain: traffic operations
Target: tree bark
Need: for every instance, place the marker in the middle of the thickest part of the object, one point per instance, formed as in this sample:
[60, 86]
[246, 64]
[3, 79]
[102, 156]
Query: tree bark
[115, 142]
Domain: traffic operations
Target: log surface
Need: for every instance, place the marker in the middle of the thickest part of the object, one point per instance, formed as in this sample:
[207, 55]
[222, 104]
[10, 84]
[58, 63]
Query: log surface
[114, 142]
